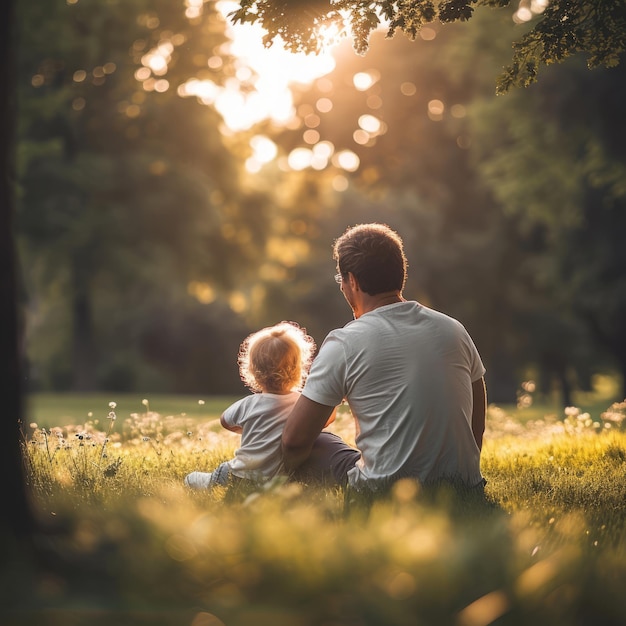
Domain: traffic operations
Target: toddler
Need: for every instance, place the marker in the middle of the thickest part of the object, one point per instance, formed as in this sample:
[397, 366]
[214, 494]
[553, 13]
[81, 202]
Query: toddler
[273, 364]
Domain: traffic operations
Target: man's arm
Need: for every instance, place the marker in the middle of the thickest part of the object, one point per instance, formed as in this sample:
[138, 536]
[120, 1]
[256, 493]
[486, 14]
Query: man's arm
[304, 424]
[479, 410]
[332, 418]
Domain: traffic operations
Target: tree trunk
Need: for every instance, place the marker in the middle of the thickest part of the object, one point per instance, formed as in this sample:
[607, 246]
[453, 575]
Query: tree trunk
[84, 358]
[17, 521]
[622, 366]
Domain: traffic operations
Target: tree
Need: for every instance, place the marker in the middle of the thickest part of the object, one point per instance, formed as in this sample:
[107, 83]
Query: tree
[553, 156]
[416, 174]
[470, 179]
[128, 192]
[17, 520]
[558, 28]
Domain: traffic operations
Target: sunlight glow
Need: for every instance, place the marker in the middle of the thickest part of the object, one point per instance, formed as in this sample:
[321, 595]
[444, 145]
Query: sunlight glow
[268, 71]
[202, 292]
[458, 111]
[370, 124]
[300, 158]
[324, 149]
[427, 34]
[324, 105]
[288, 252]
[340, 183]
[360, 137]
[435, 110]
[347, 160]
[364, 80]
[261, 90]
[194, 8]
[158, 58]
[408, 89]
[527, 9]
[238, 302]
[311, 136]
[264, 151]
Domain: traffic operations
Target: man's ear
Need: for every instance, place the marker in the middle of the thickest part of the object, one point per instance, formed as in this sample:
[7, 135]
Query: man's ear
[354, 283]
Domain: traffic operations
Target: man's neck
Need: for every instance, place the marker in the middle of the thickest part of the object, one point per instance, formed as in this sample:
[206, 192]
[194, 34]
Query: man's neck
[369, 303]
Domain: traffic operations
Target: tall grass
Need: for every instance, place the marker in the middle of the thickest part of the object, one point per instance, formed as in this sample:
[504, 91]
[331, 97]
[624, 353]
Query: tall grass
[124, 542]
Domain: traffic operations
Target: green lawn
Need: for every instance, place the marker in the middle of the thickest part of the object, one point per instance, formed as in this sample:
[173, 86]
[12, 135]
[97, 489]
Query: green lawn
[123, 542]
[60, 409]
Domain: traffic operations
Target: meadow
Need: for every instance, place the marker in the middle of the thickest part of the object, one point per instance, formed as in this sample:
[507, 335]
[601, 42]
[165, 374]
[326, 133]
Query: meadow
[122, 541]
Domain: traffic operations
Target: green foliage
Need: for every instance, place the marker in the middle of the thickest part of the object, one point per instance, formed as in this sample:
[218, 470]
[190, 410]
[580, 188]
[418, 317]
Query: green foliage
[124, 193]
[411, 19]
[564, 28]
[561, 177]
[119, 216]
[122, 536]
[288, 19]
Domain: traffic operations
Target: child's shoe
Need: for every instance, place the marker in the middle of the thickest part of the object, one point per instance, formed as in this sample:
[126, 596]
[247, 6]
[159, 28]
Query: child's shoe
[198, 480]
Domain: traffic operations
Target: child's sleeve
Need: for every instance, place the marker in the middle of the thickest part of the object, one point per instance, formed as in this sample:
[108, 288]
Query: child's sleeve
[231, 417]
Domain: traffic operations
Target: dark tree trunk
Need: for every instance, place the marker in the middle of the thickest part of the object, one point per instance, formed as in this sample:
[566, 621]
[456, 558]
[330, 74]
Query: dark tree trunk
[83, 345]
[622, 366]
[17, 519]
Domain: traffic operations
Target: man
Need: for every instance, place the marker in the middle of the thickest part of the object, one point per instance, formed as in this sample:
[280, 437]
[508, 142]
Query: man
[412, 377]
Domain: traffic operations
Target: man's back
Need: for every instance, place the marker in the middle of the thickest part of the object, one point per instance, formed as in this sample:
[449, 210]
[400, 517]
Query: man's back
[406, 371]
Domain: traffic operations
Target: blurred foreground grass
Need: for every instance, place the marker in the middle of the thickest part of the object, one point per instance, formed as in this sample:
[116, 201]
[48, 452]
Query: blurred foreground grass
[123, 542]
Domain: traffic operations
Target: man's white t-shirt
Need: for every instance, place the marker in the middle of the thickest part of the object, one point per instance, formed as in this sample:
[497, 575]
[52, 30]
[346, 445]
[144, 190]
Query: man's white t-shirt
[406, 371]
[262, 417]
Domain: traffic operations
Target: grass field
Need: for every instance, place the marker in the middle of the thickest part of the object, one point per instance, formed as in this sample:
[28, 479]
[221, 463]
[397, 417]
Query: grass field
[124, 543]
[59, 409]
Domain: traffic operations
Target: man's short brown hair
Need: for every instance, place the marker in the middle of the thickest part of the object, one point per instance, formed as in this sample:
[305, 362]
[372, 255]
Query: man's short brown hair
[374, 253]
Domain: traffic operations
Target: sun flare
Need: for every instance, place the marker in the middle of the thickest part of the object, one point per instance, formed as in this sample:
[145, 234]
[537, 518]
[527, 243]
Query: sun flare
[260, 89]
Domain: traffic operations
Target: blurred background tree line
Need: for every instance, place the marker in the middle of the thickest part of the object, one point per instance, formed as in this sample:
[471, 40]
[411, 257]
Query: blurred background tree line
[154, 235]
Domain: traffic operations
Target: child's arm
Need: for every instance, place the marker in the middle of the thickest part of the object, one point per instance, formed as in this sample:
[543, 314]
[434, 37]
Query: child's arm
[227, 426]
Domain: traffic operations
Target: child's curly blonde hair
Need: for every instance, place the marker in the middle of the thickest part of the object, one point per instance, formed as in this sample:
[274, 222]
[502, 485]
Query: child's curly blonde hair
[276, 359]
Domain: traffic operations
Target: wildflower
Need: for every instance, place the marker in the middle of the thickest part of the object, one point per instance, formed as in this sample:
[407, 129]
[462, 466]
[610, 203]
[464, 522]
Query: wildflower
[112, 468]
[112, 416]
[200, 402]
[112, 405]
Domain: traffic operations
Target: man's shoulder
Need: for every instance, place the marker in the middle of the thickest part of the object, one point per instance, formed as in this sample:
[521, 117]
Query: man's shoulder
[444, 318]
